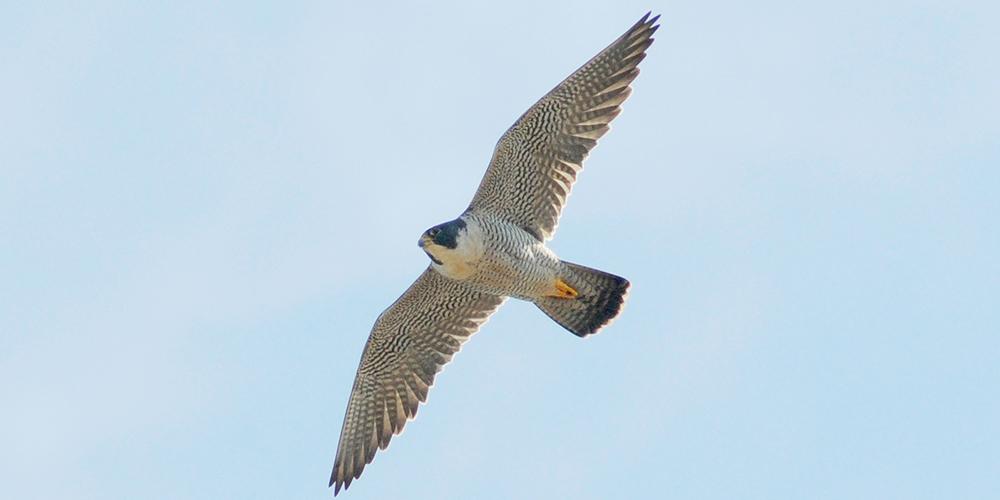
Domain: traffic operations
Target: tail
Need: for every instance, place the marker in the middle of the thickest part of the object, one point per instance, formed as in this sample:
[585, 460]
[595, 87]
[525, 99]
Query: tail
[600, 298]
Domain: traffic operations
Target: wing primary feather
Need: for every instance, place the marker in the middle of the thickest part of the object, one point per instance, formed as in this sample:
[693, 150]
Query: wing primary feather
[409, 344]
[527, 159]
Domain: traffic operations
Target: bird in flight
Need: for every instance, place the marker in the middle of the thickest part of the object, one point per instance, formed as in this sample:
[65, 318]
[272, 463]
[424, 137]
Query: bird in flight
[494, 250]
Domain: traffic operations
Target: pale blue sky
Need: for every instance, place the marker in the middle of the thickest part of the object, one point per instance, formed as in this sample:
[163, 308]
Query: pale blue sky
[204, 208]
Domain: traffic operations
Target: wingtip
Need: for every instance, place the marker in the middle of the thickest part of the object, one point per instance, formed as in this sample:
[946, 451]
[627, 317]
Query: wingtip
[335, 482]
[646, 24]
[649, 20]
[339, 482]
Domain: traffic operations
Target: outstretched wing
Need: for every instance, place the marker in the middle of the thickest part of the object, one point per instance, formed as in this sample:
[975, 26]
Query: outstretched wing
[536, 161]
[410, 342]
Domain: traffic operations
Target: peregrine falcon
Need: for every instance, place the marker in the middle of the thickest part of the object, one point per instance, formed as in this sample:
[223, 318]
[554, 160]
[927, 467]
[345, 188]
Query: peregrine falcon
[495, 249]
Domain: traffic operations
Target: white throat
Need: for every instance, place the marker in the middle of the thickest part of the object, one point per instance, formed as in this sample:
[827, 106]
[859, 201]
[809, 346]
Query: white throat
[460, 262]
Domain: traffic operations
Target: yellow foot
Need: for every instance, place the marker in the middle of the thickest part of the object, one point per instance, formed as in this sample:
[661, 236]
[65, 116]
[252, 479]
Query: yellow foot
[564, 291]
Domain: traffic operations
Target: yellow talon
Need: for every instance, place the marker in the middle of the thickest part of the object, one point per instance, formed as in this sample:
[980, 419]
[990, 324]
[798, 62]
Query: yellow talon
[564, 290]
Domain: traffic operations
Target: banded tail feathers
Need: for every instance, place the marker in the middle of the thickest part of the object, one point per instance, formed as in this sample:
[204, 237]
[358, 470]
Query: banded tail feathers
[600, 298]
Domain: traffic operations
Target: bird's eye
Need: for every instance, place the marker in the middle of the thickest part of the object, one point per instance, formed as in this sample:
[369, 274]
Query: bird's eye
[433, 232]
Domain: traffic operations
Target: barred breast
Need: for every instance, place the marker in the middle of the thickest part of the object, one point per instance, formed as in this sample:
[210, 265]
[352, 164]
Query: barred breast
[514, 263]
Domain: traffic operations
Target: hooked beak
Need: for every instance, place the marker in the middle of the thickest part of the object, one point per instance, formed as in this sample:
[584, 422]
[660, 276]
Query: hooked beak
[424, 242]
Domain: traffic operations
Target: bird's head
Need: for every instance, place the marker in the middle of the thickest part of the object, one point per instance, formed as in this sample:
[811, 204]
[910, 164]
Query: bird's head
[441, 242]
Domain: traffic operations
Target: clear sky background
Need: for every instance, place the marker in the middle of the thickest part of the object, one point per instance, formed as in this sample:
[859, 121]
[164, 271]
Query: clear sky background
[203, 208]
